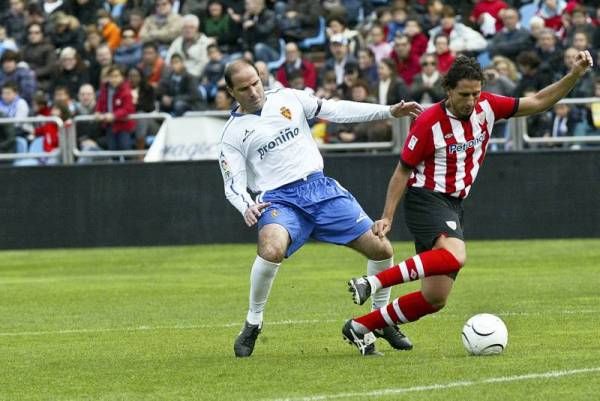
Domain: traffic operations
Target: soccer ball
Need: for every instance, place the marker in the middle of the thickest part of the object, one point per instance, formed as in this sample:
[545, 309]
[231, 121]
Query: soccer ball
[484, 334]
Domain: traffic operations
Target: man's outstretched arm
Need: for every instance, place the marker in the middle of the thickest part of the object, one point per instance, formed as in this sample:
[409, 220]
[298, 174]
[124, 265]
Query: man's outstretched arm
[551, 94]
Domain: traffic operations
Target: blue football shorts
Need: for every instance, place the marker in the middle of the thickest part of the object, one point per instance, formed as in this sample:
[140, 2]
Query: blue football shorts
[317, 207]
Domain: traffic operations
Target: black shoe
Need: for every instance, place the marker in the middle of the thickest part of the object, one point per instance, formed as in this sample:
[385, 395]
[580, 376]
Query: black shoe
[360, 289]
[244, 343]
[395, 337]
[364, 342]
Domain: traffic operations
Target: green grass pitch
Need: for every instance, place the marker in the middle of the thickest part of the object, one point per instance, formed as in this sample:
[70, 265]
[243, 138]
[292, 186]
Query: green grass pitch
[159, 324]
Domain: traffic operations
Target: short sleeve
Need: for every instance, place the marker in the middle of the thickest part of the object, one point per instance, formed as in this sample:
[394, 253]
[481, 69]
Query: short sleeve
[418, 145]
[502, 106]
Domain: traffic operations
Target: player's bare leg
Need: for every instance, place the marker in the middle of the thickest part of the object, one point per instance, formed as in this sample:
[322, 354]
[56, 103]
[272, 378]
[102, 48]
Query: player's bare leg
[273, 241]
[380, 254]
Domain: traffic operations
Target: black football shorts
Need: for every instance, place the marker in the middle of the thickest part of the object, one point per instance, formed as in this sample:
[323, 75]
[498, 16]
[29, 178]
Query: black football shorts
[431, 214]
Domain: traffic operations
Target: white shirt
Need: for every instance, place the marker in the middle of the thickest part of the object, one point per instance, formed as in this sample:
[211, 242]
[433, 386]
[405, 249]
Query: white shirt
[275, 146]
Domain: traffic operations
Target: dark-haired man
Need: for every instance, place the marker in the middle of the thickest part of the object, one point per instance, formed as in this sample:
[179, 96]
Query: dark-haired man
[439, 163]
[267, 146]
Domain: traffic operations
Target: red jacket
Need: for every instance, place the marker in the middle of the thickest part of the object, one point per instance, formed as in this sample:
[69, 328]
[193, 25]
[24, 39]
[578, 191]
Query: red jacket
[48, 130]
[407, 69]
[121, 108]
[309, 73]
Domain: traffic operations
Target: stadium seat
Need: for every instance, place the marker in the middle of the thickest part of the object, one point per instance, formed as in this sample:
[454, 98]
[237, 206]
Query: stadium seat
[273, 65]
[526, 12]
[319, 39]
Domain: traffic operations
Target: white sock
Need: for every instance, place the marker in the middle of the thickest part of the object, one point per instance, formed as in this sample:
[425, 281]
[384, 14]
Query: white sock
[261, 278]
[380, 297]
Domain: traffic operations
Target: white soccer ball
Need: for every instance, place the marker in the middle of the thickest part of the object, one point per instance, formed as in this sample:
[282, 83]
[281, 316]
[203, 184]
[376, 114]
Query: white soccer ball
[484, 334]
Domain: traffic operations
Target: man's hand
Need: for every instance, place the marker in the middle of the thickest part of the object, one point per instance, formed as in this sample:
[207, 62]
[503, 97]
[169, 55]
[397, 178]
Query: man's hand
[252, 214]
[583, 62]
[382, 227]
[403, 108]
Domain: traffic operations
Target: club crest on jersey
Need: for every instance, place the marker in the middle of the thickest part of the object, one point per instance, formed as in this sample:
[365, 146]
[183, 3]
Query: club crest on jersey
[287, 113]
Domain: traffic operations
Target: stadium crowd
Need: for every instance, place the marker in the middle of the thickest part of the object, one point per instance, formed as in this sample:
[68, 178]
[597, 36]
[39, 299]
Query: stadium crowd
[111, 58]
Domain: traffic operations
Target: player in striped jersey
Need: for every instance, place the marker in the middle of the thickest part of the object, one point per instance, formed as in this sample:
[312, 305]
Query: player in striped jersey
[440, 160]
[267, 146]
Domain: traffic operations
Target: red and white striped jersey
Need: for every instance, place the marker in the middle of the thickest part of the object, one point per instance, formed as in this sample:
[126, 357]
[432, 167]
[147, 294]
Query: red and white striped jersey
[445, 152]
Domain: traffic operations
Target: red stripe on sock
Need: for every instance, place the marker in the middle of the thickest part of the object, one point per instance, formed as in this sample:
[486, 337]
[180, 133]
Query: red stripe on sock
[413, 307]
[435, 262]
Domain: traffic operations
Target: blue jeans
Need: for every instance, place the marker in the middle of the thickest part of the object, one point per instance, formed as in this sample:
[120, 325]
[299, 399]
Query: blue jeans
[118, 140]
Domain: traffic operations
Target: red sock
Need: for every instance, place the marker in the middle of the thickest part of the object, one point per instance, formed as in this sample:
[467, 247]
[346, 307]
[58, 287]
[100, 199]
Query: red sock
[428, 263]
[407, 308]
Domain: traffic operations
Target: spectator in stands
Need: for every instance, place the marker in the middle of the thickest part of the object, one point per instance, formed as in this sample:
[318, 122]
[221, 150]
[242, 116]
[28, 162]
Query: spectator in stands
[295, 63]
[268, 80]
[72, 72]
[109, 30]
[397, 24]
[49, 130]
[67, 32]
[191, 46]
[14, 106]
[135, 20]
[129, 53]
[100, 64]
[22, 75]
[163, 26]
[6, 43]
[337, 25]
[433, 17]
[548, 50]
[418, 40]
[89, 133]
[178, 89]
[380, 48]
[212, 76]
[152, 64]
[551, 11]
[7, 137]
[40, 56]
[329, 88]
[300, 20]
[338, 45]
[427, 86]
[114, 105]
[536, 26]
[52, 7]
[562, 123]
[259, 33]
[462, 38]
[506, 68]
[488, 16]
[62, 95]
[93, 40]
[143, 97]
[219, 26]
[391, 89]
[501, 85]
[407, 63]
[533, 74]
[351, 76]
[367, 67]
[512, 39]
[14, 21]
[85, 10]
[223, 101]
[581, 42]
[591, 115]
[585, 85]
[444, 56]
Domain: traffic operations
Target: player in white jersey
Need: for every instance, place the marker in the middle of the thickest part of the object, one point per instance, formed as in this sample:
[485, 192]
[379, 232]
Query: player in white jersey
[267, 146]
[440, 160]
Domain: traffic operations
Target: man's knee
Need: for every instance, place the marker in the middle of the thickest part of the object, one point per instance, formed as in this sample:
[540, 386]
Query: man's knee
[271, 252]
[436, 299]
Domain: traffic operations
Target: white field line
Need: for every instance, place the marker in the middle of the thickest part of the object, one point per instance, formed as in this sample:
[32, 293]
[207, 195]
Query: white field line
[274, 323]
[443, 386]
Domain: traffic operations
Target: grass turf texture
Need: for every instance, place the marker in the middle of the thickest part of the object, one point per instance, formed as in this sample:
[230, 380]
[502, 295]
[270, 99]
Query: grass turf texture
[159, 324]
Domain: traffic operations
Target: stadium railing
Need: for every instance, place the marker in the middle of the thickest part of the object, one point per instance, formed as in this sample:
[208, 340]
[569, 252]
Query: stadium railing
[103, 154]
[56, 153]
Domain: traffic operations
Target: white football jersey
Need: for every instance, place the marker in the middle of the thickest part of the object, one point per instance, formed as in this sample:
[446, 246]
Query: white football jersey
[274, 146]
